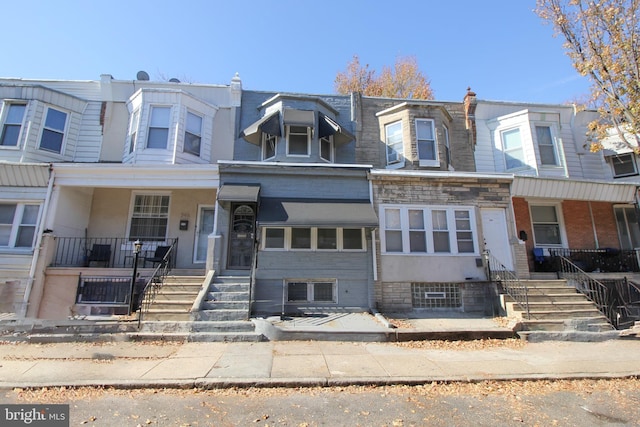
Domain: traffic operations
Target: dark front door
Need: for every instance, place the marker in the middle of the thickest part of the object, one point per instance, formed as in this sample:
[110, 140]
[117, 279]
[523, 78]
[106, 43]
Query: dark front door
[241, 236]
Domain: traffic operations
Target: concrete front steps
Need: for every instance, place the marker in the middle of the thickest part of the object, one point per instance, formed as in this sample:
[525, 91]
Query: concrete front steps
[227, 299]
[175, 299]
[556, 306]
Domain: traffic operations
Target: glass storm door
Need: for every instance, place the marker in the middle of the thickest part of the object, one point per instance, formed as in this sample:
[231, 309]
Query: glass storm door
[241, 236]
[205, 227]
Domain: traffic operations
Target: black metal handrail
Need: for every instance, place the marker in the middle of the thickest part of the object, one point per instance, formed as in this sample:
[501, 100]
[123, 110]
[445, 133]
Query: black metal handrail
[508, 281]
[604, 260]
[153, 285]
[105, 252]
[593, 289]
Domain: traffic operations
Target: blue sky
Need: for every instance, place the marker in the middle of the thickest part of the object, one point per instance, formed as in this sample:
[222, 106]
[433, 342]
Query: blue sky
[498, 47]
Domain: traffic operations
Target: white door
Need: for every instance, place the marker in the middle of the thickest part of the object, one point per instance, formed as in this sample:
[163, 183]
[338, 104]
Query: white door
[496, 236]
[203, 229]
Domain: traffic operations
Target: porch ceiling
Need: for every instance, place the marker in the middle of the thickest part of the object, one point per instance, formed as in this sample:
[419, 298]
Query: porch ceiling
[564, 189]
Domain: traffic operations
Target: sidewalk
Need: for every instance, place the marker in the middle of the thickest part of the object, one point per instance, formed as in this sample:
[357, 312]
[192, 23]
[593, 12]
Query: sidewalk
[306, 363]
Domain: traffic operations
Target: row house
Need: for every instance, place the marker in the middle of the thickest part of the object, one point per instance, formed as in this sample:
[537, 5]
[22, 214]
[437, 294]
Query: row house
[90, 167]
[567, 199]
[311, 203]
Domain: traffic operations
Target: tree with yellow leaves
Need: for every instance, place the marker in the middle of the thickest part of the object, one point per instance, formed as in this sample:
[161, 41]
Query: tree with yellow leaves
[602, 39]
[403, 81]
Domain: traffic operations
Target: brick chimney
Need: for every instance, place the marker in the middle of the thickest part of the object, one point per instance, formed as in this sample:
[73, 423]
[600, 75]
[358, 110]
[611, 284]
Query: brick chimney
[470, 103]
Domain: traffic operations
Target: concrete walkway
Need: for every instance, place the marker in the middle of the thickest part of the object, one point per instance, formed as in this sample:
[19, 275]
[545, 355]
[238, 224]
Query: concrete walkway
[306, 363]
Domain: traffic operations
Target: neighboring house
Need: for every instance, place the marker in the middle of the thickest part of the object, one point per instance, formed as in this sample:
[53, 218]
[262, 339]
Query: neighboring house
[294, 211]
[437, 215]
[130, 160]
[566, 199]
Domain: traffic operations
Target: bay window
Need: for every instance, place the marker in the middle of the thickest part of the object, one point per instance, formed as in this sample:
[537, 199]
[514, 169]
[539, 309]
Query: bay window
[428, 230]
[53, 130]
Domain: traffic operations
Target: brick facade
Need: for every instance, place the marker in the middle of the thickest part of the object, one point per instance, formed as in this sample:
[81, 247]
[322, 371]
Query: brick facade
[579, 218]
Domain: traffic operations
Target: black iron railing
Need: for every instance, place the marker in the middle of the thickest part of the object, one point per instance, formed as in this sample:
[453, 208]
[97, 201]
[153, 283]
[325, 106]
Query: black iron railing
[608, 260]
[508, 282]
[105, 252]
[153, 285]
[594, 290]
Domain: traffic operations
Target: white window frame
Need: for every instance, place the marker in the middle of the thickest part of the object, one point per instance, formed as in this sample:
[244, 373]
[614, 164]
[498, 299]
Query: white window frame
[506, 151]
[188, 132]
[133, 129]
[269, 139]
[327, 140]
[447, 146]
[167, 127]
[619, 158]
[134, 195]
[553, 146]
[560, 223]
[46, 128]
[435, 161]
[625, 237]
[428, 229]
[310, 290]
[314, 240]
[396, 148]
[17, 224]
[308, 134]
[4, 117]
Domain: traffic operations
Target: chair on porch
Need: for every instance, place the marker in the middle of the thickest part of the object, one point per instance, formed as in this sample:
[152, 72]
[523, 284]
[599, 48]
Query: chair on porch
[99, 253]
[158, 256]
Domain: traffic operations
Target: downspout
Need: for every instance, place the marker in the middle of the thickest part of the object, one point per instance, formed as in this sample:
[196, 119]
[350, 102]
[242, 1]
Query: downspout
[36, 250]
[593, 226]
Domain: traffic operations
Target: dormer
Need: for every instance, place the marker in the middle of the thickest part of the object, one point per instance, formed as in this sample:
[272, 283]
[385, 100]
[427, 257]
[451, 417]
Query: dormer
[417, 136]
[297, 129]
[169, 126]
[38, 124]
[527, 142]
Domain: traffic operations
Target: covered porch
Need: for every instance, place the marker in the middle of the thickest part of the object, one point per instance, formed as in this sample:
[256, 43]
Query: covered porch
[593, 224]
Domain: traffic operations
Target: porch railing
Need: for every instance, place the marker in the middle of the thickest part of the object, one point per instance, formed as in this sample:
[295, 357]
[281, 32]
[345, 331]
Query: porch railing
[106, 252]
[593, 289]
[608, 260]
[508, 282]
[153, 285]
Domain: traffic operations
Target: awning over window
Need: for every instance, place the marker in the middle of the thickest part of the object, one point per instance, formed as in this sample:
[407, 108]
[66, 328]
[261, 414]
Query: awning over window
[614, 145]
[238, 193]
[316, 213]
[328, 126]
[269, 124]
[298, 117]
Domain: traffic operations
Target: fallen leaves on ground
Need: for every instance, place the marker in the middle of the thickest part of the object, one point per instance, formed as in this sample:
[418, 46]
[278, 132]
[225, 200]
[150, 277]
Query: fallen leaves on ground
[512, 389]
[484, 344]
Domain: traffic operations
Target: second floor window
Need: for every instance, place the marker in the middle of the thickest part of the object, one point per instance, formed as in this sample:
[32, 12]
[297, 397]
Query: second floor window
[298, 140]
[193, 134]
[513, 151]
[395, 146]
[158, 134]
[546, 147]
[14, 114]
[326, 149]
[426, 139]
[268, 146]
[53, 131]
[624, 165]
[135, 118]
